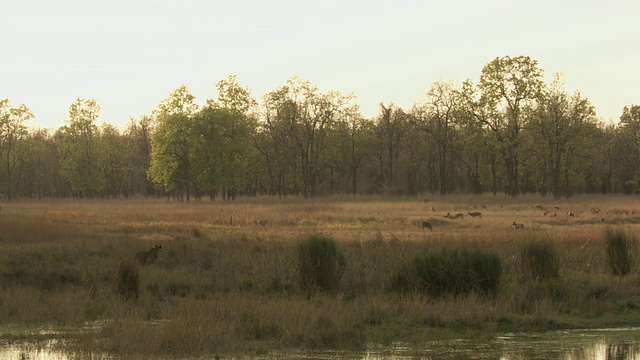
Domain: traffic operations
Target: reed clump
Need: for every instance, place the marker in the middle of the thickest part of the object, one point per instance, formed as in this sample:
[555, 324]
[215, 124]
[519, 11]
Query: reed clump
[128, 280]
[320, 263]
[618, 251]
[539, 260]
[451, 271]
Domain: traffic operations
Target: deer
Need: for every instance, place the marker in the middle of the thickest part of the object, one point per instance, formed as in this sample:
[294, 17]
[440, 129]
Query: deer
[456, 216]
[475, 214]
[518, 226]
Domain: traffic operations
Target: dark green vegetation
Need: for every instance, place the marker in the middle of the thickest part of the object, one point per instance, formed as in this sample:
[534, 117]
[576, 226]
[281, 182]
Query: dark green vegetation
[619, 252]
[539, 260]
[508, 133]
[128, 280]
[451, 271]
[320, 263]
[268, 281]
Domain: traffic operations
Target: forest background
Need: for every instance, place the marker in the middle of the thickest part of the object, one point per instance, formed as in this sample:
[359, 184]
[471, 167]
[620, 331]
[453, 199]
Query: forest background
[511, 132]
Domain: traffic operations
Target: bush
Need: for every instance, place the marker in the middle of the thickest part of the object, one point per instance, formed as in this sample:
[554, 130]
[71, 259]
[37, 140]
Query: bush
[128, 280]
[618, 252]
[320, 263]
[539, 261]
[451, 272]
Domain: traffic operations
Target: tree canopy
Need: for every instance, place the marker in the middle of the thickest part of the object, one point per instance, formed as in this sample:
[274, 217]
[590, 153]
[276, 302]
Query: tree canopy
[511, 132]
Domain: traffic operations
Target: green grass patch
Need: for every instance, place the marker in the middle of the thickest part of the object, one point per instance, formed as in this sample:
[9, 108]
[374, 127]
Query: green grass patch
[539, 261]
[451, 271]
[320, 263]
[618, 251]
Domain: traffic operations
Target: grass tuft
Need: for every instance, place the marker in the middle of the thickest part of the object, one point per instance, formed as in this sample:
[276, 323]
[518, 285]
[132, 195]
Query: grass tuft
[539, 261]
[320, 263]
[618, 252]
[451, 271]
[128, 280]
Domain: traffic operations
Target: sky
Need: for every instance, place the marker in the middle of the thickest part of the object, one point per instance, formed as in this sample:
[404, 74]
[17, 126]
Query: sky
[128, 55]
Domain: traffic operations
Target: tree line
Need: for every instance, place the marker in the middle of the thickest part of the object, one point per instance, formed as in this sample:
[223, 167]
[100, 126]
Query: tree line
[509, 133]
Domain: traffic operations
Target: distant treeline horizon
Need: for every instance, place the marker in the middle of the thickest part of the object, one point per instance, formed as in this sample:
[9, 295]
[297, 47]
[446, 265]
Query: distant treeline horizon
[509, 133]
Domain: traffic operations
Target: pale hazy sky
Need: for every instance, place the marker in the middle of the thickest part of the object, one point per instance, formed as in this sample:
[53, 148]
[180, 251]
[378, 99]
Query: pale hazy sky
[130, 54]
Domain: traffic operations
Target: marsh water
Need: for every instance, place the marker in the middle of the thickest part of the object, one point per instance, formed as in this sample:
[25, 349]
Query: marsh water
[610, 344]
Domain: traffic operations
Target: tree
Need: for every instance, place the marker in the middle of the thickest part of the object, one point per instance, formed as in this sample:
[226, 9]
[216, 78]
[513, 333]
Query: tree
[391, 124]
[225, 128]
[37, 173]
[276, 141]
[474, 143]
[352, 141]
[562, 129]
[233, 96]
[80, 149]
[114, 154]
[12, 130]
[477, 115]
[223, 141]
[171, 144]
[627, 149]
[436, 116]
[294, 135]
[138, 137]
[508, 85]
[421, 153]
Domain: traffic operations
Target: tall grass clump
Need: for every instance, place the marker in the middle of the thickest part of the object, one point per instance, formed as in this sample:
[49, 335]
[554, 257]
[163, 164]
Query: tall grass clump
[456, 272]
[618, 251]
[539, 260]
[128, 280]
[320, 263]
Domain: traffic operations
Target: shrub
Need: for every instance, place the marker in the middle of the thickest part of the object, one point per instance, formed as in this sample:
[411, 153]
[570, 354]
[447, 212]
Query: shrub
[451, 272]
[128, 280]
[618, 252]
[539, 261]
[320, 262]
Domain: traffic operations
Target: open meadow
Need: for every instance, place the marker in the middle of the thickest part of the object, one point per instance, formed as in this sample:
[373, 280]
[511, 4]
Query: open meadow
[228, 278]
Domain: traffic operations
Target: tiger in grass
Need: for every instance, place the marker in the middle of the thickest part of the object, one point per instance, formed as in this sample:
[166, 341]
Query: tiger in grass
[149, 256]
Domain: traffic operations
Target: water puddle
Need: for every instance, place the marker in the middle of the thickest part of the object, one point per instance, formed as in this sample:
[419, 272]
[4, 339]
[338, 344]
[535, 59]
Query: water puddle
[601, 344]
[46, 344]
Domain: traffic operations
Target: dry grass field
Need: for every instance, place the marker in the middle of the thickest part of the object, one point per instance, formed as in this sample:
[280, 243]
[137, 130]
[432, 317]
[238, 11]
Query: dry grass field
[227, 280]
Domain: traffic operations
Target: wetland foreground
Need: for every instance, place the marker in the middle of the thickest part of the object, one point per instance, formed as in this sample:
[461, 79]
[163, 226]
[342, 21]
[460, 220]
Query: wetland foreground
[228, 282]
[594, 344]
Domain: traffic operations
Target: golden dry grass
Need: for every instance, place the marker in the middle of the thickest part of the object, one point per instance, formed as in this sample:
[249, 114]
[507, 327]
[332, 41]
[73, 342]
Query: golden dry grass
[343, 218]
[227, 278]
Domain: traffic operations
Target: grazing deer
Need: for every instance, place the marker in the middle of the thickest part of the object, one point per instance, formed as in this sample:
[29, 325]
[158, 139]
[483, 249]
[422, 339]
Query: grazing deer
[518, 226]
[456, 216]
[571, 213]
[426, 224]
[148, 256]
[475, 214]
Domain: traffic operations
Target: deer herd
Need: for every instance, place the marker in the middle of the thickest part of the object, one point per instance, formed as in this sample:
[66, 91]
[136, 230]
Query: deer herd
[520, 226]
[150, 256]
